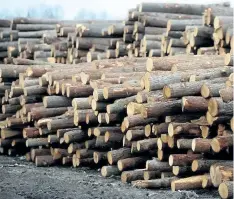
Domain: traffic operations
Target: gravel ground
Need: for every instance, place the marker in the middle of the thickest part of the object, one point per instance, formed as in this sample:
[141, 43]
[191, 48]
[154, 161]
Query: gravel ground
[22, 180]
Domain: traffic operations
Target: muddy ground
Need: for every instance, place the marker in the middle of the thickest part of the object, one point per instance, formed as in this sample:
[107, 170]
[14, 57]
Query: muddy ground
[22, 180]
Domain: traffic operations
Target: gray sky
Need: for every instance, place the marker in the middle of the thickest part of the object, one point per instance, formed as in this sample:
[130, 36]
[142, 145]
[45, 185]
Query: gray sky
[115, 8]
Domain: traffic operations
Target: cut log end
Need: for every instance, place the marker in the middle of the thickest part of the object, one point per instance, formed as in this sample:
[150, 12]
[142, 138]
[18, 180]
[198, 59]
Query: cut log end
[167, 92]
[205, 91]
[170, 160]
[170, 130]
[149, 64]
[226, 190]
[175, 170]
[228, 59]
[194, 165]
[213, 107]
[148, 130]
[215, 145]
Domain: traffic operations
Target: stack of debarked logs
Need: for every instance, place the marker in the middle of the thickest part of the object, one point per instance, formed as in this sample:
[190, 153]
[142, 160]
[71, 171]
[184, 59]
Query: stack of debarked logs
[119, 114]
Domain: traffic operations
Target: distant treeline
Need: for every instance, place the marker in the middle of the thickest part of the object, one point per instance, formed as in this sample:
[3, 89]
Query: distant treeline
[51, 12]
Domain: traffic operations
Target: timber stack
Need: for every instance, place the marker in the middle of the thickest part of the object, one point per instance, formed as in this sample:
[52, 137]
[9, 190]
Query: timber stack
[4, 42]
[158, 29]
[151, 30]
[157, 122]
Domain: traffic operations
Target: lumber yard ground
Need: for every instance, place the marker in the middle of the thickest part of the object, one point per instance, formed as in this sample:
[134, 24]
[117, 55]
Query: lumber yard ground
[22, 180]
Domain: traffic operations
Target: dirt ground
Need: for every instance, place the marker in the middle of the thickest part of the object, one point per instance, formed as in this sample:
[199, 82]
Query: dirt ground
[22, 180]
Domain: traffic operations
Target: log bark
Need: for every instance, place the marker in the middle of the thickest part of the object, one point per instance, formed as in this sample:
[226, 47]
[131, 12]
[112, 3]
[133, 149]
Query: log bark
[131, 163]
[147, 144]
[137, 120]
[129, 176]
[56, 101]
[226, 94]
[217, 107]
[194, 104]
[34, 142]
[115, 155]
[184, 128]
[194, 182]
[203, 165]
[149, 175]
[211, 90]
[183, 159]
[75, 136]
[221, 142]
[157, 109]
[44, 161]
[108, 171]
[201, 145]
[155, 165]
[153, 184]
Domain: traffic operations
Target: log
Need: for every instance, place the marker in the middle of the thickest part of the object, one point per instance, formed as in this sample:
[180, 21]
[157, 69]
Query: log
[184, 128]
[226, 94]
[129, 176]
[221, 173]
[183, 159]
[9, 133]
[44, 161]
[39, 152]
[201, 145]
[153, 184]
[119, 105]
[211, 90]
[80, 103]
[147, 144]
[74, 146]
[194, 182]
[158, 82]
[157, 109]
[155, 165]
[226, 189]
[203, 165]
[56, 101]
[115, 155]
[181, 171]
[75, 136]
[31, 132]
[41, 112]
[135, 134]
[184, 143]
[185, 88]
[194, 104]
[34, 142]
[108, 171]
[137, 120]
[84, 153]
[98, 131]
[192, 9]
[221, 142]
[67, 161]
[149, 175]
[217, 107]
[100, 157]
[131, 163]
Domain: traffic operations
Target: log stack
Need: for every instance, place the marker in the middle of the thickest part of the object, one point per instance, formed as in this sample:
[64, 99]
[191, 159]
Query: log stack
[4, 42]
[176, 29]
[157, 122]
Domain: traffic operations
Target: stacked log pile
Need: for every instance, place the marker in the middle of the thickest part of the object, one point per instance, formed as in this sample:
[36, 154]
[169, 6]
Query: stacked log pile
[157, 122]
[151, 30]
[4, 42]
[158, 29]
